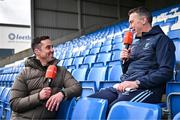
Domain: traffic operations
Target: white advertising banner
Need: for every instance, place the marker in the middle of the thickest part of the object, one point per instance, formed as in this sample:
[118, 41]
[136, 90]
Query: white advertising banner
[16, 38]
[15, 12]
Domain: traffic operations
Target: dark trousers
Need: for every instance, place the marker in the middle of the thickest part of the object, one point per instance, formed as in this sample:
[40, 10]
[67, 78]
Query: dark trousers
[113, 96]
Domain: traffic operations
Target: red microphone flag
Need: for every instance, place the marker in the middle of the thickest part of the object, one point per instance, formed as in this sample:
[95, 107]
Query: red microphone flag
[128, 38]
[51, 73]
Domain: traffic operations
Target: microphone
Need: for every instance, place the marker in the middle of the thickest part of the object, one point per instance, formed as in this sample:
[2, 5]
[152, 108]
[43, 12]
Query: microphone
[128, 38]
[51, 74]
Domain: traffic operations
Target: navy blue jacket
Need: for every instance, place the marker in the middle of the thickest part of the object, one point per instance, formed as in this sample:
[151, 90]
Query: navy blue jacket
[151, 61]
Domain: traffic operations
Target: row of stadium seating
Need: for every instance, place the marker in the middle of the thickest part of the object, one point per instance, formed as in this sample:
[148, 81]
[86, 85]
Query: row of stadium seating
[97, 108]
[99, 52]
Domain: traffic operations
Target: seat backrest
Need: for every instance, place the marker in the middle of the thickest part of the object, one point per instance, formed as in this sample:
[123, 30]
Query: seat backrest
[115, 55]
[60, 63]
[94, 50]
[89, 60]
[97, 45]
[1, 90]
[104, 58]
[76, 54]
[88, 88]
[177, 45]
[117, 46]
[67, 62]
[125, 110]
[105, 48]
[65, 110]
[107, 42]
[4, 96]
[80, 74]
[114, 73]
[172, 87]
[90, 109]
[77, 61]
[117, 40]
[173, 97]
[68, 54]
[97, 74]
[85, 52]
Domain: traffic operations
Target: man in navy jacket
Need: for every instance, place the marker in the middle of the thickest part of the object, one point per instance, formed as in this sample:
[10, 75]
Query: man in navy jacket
[148, 65]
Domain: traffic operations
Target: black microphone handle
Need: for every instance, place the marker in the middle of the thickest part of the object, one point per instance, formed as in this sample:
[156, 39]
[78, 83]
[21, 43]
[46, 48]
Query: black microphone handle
[49, 82]
[126, 47]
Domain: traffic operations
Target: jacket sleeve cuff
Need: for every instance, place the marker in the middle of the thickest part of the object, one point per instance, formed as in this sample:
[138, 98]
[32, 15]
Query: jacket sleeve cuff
[34, 99]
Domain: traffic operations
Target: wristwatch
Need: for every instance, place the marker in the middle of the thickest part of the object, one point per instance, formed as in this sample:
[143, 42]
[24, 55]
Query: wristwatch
[138, 82]
[62, 91]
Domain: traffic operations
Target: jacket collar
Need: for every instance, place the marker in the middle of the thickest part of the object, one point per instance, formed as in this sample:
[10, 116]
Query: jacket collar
[35, 63]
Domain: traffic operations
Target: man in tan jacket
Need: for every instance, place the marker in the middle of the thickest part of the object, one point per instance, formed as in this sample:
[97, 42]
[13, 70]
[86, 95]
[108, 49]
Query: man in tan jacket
[31, 96]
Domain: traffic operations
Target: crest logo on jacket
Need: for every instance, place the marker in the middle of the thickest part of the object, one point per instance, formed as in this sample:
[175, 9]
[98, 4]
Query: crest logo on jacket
[147, 46]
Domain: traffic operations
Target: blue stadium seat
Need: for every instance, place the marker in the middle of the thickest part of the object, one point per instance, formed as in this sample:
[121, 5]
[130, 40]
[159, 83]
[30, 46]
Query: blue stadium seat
[105, 48]
[118, 46]
[97, 74]
[114, 73]
[88, 60]
[88, 88]
[67, 62]
[69, 54]
[65, 109]
[177, 116]
[94, 50]
[103, 58]
[13, 78]
[60, 63]
[4, 101]
[0, 76]
[85, 52]
[1, 90]
[3, 76]
[7, 109]
[173, 93]
[107, 42]
[125, 110]
[172, 20]
[9, 80]
[90, 109]
[177, 44]
[160, 23]
[115, 55]
[107, 84]
[80, 74]
[76, 62]
[174, 34]
[76, 54]
[97, 45]
[61, 56]
[117, 40]
[5, 79]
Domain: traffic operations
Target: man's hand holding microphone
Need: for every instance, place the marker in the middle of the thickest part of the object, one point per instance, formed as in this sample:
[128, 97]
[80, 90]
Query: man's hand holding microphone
[125, 53]
[46, 93]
